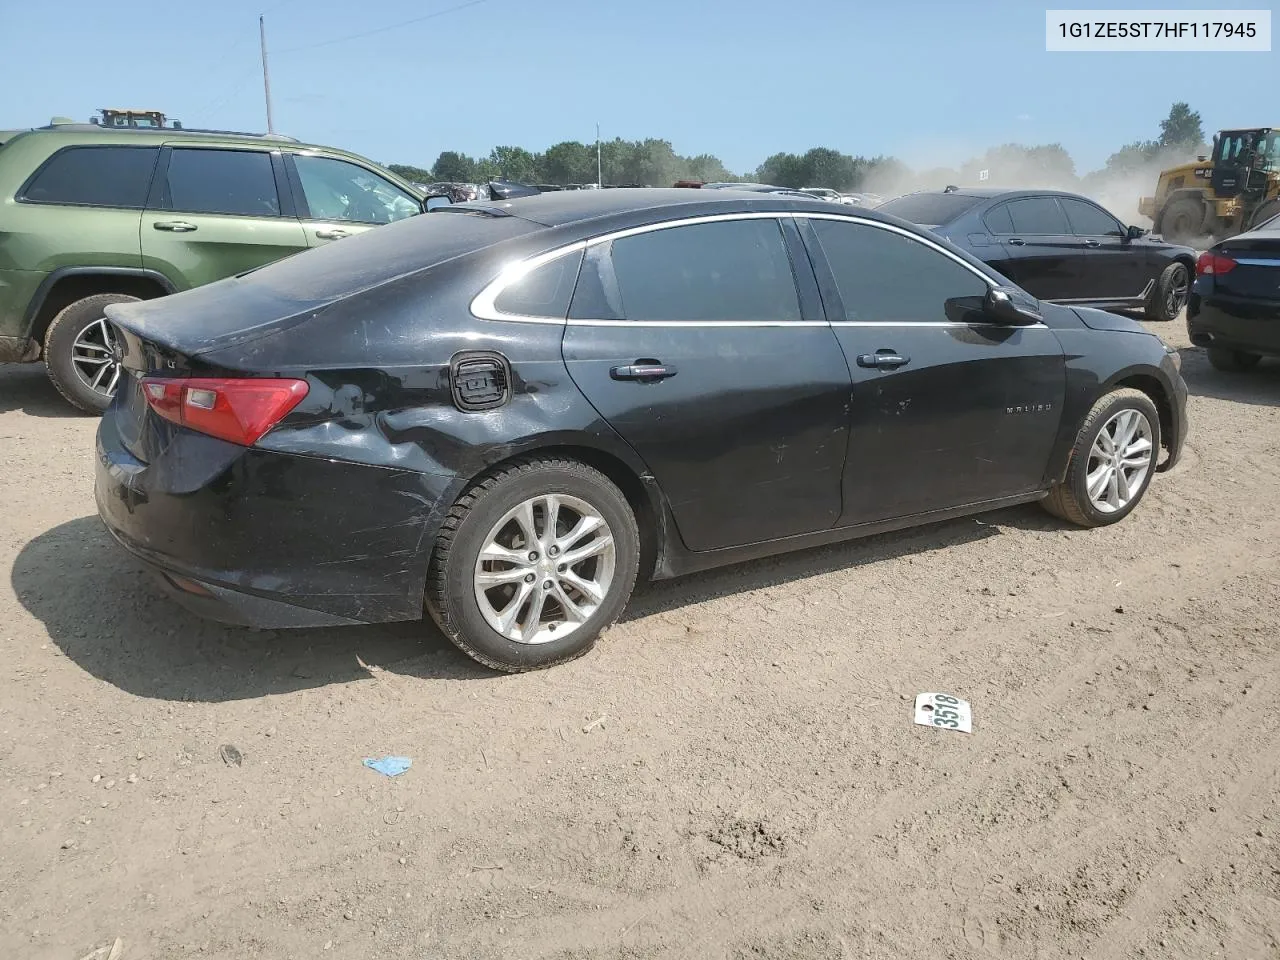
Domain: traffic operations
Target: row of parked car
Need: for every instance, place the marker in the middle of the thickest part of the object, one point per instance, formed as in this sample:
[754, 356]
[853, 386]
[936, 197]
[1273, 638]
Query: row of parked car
[95, 215]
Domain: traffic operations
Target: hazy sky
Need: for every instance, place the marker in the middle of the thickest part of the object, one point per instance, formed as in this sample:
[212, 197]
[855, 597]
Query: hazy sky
[932, 82]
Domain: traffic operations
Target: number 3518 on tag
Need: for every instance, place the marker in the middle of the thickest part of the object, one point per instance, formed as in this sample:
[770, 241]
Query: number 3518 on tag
[944, 711]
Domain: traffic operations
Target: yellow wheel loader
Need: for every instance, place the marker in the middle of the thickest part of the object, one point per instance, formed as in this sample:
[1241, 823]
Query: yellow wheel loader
[1235, 190]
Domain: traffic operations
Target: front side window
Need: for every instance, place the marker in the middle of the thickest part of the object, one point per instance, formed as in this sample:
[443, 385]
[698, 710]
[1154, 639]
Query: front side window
[1089, 221]
[338, 190]
[731, 270]
[232, 182]
[95, 177]
[885, 277]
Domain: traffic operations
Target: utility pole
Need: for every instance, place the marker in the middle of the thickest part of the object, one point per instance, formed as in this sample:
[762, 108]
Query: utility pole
[599, 164]
[266, 76]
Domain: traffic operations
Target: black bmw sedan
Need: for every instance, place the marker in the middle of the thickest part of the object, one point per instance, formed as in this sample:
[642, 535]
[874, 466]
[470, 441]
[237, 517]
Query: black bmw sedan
[1058, 246]
[1235, 302]
[504, 413]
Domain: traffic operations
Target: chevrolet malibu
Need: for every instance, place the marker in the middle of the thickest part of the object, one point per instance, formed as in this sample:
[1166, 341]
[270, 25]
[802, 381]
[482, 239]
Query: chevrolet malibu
[502, 414]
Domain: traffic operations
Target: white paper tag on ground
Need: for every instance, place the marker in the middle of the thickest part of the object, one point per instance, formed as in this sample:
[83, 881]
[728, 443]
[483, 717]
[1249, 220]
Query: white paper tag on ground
[944, 711]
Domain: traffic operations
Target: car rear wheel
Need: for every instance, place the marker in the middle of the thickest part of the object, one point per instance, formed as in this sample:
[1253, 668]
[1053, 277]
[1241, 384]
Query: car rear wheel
[1182, 220]
[533, 563]
[1232, 361]
[80, 352]
[1111, 463]
[1170, 294]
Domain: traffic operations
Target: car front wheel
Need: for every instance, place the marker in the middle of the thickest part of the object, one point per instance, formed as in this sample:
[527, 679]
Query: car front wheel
[80, 352]
[533, 563]
[1111, 463]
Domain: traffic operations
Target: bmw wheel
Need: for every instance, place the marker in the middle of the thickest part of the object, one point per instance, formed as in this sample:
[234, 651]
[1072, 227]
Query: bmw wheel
[1170, 293]
[533, 563]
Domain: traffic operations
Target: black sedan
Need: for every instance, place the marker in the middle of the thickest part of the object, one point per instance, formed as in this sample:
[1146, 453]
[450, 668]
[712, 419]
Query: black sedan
[507, 411]
[1058, 246]
[1234, 309]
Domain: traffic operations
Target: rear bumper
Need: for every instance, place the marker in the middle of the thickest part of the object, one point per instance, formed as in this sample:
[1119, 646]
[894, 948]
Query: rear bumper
[1247, 325]
[266, 539]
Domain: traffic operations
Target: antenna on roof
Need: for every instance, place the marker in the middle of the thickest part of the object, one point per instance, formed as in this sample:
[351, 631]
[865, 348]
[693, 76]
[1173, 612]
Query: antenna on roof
[951, 188]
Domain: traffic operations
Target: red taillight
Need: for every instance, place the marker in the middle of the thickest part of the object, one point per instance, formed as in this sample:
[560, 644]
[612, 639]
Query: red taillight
[1213, 265]
[240, 411]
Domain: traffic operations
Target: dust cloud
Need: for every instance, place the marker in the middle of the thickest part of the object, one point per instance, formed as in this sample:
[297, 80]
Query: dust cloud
[1046, 168]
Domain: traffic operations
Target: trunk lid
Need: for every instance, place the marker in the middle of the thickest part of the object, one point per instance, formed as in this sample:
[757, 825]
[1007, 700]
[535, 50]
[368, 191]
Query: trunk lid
[1256, 275]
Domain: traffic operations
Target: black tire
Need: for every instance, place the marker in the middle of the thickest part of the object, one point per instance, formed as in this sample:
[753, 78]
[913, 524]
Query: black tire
[1070, 499]
[1170, 294]
[59, 353]
[451, 594]
[1182, 221]
[1232, 361]
[1264, 213]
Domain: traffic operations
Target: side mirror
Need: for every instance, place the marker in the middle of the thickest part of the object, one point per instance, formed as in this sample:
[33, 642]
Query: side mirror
[1133, 233]
[434, 203]
[1012, 307]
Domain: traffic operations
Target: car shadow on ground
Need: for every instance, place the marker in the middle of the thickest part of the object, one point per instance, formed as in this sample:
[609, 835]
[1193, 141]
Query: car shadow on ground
[26, 387]
[105, 612]
[1260, 386]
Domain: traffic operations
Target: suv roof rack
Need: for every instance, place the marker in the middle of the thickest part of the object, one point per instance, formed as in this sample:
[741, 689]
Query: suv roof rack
[167, 131]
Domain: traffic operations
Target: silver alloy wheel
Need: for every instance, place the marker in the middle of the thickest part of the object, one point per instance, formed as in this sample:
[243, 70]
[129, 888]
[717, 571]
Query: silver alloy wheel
[1119, 461]
[1177, 296]
[93, 358]
[545, 568]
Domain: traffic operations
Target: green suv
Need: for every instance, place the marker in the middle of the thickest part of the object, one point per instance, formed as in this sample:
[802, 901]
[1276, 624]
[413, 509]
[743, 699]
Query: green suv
[91, 216]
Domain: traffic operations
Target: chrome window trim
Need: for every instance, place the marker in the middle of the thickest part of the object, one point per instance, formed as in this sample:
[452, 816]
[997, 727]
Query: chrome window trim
[482, 305]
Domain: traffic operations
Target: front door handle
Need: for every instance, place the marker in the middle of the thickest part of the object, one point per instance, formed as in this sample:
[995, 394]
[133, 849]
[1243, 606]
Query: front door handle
[1015, 242]
[644, 370]
[174, 226]
[332, 234]
[883, 360]
[1092, 243]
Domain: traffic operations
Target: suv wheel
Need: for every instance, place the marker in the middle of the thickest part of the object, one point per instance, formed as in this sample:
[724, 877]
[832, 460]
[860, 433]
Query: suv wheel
[1111, 463]
[79, 352]
[533, 563]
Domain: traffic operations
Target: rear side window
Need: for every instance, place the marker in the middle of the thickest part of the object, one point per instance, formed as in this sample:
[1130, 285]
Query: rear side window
[234, 182]
[929, 209]
[1037, 215]
[885, 277]
[105, 176]
[1089, 221]
[706, 272]
[544, 291]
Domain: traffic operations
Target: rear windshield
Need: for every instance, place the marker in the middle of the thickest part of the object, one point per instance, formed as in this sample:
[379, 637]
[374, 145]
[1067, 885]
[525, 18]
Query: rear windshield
[929, 209]
[383, 253]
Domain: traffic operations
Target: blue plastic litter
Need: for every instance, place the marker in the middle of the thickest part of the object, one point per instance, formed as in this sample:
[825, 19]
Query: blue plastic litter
[389, 766]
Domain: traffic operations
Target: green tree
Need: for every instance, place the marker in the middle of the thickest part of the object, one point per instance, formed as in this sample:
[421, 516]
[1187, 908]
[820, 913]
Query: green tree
[411, 173]
[567, 162]
[1182, 129]
[454, 167]
[513, 163]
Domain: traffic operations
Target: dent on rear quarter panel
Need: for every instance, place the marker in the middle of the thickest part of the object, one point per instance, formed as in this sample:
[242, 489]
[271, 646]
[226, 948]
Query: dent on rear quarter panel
[391, 406]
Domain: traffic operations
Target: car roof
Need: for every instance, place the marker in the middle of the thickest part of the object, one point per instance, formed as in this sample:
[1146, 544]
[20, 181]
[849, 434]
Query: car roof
[565, 207]
[988, 193]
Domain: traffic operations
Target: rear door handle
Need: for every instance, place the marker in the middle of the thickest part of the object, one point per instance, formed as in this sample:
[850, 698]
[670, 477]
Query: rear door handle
[1016, 242]
[332, 234]
[643, 370]
[1092, 243]
[174, 226]
[883, 360]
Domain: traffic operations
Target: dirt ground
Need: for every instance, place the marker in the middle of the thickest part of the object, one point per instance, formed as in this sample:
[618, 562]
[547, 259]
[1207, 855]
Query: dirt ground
[733, 773]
